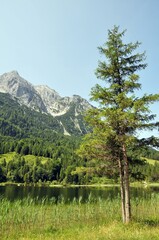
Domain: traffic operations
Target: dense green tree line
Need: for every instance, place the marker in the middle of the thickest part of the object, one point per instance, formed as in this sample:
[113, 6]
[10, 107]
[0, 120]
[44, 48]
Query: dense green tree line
[62, 170]
[151, 153]
[63, 165]
[22, 171]
[39, 147]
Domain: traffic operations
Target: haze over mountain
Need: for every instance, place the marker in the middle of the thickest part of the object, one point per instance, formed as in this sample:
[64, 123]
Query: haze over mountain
[67, 110]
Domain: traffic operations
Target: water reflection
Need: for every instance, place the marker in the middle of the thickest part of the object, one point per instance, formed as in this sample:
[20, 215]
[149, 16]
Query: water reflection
[13, 192]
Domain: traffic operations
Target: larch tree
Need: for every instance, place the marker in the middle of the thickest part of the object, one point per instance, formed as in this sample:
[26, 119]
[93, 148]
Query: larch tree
[120, 113]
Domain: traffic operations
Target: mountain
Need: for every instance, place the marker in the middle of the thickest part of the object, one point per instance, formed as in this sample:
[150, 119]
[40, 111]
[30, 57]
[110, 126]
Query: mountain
[67, 112]
[57, 105]
[21, 122]
[18, 87]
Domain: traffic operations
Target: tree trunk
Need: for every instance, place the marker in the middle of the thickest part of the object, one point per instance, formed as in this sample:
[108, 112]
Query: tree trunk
[122, 191]
[126, 187]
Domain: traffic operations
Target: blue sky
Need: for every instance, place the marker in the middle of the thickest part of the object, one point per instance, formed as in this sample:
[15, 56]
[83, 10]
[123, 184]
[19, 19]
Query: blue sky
[54, 42]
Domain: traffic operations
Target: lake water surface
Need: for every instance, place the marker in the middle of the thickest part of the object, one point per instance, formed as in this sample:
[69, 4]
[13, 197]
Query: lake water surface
[13, 192]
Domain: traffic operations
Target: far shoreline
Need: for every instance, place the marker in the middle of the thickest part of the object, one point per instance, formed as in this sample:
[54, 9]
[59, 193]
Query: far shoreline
[51, 185]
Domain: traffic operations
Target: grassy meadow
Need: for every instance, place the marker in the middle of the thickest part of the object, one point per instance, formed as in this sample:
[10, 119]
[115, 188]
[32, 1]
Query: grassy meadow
[11, 155]
[95, 220]
[150, 161]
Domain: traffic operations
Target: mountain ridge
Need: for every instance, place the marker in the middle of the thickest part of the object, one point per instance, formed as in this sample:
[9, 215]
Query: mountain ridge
[40, 97]
[68, 111]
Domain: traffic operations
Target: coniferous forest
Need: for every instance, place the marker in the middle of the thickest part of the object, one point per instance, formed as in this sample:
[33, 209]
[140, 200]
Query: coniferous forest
[33, 149]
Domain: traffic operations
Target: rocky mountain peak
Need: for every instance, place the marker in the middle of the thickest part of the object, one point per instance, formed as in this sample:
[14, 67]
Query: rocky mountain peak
[44, 99]
[20, 88]
[46, 91]
[11, 82]
[13, 73]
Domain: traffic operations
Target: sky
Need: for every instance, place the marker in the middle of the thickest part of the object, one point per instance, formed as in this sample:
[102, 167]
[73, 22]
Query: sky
[55, 42]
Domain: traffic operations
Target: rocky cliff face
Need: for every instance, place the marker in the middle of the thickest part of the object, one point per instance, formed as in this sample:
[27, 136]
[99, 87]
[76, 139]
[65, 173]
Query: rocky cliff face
[18, 87]
[40, 97]
[67, 110]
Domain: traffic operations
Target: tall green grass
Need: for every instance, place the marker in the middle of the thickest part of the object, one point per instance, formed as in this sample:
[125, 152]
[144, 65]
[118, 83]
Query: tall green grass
[96, 219]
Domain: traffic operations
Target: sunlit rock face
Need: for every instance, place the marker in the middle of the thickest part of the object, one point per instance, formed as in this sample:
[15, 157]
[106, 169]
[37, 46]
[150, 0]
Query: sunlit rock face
[46, 100]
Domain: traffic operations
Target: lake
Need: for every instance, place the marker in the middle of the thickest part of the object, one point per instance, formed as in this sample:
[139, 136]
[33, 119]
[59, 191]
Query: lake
[14, 192]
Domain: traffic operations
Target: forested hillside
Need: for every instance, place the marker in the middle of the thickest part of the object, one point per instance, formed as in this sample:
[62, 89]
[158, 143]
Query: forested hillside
[27, 132]
[34, 148]
[20, 121]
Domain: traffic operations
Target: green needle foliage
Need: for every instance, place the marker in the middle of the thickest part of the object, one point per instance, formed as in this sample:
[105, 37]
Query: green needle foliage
[120, 113]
